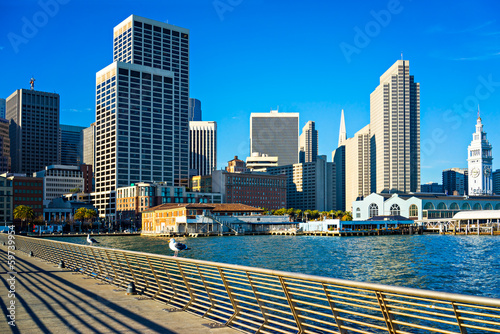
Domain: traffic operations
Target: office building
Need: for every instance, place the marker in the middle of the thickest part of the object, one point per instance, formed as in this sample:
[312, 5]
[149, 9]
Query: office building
[395, 131]
[194, 110]
[134, 199]
[5, 162]
[261, 190]
[236, 166]
[145, 92]
[5, 199]
[275, 134]
[89, 140]
[260, 162]
[27, 191]
[71, 144]
[496, 182]
[2, 108]
[310, 186]
[203, 147]
[338, 158]
[455, 181]
[88, 178]
[34, 130]
[308, 143]
[432, 187]
[480, 161]
[357, 166]
[59, 180]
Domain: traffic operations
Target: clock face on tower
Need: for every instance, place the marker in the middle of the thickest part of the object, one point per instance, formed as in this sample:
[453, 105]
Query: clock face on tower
[474, 172]
[487, 171]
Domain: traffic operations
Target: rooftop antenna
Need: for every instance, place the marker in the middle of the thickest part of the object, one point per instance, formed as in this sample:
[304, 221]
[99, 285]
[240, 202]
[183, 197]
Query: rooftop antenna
[478, 112]
[32, 83]
[401, 55]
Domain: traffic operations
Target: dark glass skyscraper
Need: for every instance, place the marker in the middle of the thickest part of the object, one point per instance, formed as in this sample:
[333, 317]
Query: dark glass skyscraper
[33, 130]
[71, 144]
[194, 110]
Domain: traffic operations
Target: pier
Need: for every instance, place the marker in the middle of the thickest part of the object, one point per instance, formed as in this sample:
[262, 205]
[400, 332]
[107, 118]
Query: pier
[88, 295]
[51, 299]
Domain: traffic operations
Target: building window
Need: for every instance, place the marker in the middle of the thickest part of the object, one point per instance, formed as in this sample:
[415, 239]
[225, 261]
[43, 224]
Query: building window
[477, 206]
[466, 206]
[413, 210]
[373, 210]
[429, 206]
[358, 213]
[442, 206]
[395, 210]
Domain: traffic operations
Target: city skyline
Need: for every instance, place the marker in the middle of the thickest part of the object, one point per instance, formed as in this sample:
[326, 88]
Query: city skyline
[235, 73]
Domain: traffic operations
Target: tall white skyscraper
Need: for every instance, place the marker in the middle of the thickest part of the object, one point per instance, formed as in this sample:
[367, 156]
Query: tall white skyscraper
[395, 131]
[203, 147]
[308, 143]
[89, 138]
[338, 157]
[275, 134]
[357, 166]
[342, 131]
[142, 109]
[480, 162]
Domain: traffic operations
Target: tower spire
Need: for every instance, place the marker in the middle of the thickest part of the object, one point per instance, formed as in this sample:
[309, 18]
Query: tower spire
[342, 132]
[478, 113]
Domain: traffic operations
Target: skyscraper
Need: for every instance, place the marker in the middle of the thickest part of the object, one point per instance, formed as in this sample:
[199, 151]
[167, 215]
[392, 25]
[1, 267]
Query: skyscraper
[357, 166]
[34, 130]
[142, 109]
[455, 179]
[89, 140]
[4, 146]
[2, 108]
[342, 131]
[71, 144]
[275, 134]
[309, 143]
[194, 110]
[395, 131]
[203, 147]
[338, 157]
[480, 162]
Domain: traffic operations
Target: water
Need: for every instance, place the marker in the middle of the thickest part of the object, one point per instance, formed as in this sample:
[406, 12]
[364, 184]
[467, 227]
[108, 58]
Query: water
[459, 264]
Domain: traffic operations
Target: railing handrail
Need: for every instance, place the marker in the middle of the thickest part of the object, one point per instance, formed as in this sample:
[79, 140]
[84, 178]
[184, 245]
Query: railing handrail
[423, 293]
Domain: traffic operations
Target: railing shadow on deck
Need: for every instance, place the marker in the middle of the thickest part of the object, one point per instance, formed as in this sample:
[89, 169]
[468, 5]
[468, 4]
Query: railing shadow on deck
[261, 300]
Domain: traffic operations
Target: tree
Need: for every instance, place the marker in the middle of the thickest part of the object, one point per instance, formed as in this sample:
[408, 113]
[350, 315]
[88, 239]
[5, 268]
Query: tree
[75, 190]
[347, 216]
[80, 214]
[24, 213]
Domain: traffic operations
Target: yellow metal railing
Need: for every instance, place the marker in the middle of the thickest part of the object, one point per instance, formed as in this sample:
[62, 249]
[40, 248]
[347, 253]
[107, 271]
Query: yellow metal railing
[258, 300]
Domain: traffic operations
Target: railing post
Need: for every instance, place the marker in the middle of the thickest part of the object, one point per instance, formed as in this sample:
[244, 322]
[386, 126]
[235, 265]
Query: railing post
[391, 327]
[230, 296]
[160, 289]
[463, 330]
[291, 304]
[338, 322]
[257, 299]
[186, 283]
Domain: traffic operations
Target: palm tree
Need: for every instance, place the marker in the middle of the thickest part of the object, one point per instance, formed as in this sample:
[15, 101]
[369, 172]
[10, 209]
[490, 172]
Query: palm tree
[23, 212]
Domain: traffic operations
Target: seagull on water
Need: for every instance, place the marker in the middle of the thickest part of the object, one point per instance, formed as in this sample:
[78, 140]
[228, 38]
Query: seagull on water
[91, 241]
[177, 246]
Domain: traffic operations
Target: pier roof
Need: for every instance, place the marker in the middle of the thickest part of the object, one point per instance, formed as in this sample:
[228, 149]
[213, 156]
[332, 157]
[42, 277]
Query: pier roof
[477, 214]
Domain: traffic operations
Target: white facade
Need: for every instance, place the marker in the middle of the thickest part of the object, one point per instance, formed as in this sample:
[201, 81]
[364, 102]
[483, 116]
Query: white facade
[89, 145]
[308, 143]
[260, 161]
[59, 180]
[377, 205]
[142, 110]
[395, 131]
[275, 134]
[203, 147]
[480, 163]
[357, 166]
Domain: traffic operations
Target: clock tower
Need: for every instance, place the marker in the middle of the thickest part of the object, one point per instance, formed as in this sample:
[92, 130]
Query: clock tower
[480, 163]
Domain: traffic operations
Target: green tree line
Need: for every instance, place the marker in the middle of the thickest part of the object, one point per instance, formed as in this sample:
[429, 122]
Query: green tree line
[310, 214]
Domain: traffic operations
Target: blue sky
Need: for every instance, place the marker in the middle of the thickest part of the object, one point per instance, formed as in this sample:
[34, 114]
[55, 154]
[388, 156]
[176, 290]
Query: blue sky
[314, 57]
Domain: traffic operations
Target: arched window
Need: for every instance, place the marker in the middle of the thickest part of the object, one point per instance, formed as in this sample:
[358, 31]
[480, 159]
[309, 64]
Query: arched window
[413, 210]
[429, 206]
[488, 206]
[358, 213]
[477, 206]
[442, 206]
[454, 206]
[395, 210]
[373, 210]
[466, 206]
[497, 207]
